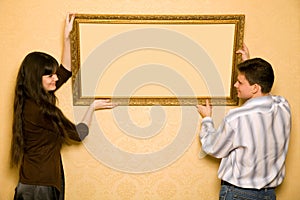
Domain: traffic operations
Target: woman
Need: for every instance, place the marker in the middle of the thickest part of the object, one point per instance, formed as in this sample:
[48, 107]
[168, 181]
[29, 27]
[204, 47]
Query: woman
[40, 128]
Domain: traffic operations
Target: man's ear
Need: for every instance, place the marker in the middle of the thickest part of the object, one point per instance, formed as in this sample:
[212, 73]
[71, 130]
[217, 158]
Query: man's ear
[256, 88]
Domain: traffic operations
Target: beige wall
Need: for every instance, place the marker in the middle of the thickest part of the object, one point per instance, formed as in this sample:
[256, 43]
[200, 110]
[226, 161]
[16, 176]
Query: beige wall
[271, 31]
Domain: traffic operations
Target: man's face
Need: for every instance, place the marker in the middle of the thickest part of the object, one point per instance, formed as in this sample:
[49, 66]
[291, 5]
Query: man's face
[243, 87]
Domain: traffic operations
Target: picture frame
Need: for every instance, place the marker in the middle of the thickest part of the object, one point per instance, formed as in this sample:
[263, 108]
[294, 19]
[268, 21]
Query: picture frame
[146, 60]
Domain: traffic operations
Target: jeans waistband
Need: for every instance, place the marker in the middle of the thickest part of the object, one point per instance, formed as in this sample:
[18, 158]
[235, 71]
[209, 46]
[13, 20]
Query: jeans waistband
[229, 184]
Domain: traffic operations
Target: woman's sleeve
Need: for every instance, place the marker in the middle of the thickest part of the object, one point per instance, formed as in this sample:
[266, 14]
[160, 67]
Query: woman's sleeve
[80, 132]
[63, 75]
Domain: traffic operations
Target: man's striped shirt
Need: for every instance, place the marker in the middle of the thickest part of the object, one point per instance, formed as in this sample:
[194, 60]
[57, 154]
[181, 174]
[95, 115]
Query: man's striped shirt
[252, 141]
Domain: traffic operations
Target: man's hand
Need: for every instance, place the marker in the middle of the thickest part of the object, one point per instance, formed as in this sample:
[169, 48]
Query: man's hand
[244, 51]
[205, 111]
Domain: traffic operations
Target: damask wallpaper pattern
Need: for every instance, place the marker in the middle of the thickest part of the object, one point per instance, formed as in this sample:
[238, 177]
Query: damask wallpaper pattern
[272, 31]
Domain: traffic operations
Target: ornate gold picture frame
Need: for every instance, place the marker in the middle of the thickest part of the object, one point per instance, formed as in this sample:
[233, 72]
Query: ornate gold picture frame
[167, 60]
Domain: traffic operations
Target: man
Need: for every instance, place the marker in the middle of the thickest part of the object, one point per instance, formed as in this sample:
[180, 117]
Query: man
[252, 140]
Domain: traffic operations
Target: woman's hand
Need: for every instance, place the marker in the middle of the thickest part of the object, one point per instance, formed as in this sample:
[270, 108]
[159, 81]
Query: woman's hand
[103, 104]
[66, 53]
[69, 24]
[96, 105]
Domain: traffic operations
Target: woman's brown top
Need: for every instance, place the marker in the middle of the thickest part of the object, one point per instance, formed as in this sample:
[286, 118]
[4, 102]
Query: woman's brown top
[41, 164]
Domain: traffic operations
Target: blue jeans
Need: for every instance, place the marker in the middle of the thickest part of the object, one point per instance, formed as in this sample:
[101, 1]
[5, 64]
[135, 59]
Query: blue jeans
[39, 192]
[234, 193]
[36, 192]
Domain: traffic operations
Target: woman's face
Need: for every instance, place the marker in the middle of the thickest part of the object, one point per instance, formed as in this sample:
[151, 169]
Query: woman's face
[49, 82]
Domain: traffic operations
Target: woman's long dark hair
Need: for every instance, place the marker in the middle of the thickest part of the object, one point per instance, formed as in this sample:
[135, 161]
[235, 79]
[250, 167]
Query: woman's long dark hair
[29, 85]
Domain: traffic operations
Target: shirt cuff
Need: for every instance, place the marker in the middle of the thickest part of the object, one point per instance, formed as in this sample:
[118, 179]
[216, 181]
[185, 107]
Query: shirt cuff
[207, 119]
